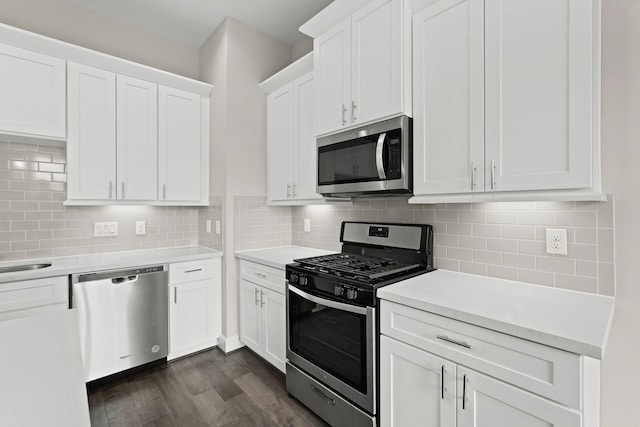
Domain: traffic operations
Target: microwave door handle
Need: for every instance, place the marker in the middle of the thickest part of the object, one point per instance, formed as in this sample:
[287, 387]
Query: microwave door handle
[379, 159]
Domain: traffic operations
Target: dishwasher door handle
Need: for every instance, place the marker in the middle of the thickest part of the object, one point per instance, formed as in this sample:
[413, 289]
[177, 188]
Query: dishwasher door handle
[125, 279]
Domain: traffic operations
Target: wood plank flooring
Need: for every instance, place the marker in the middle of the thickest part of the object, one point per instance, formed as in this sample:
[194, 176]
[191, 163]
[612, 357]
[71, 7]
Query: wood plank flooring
[206, 389]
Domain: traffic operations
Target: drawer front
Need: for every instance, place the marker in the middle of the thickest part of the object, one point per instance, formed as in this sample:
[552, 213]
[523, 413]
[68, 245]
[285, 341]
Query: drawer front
[263, 275]
[31, 294]
[192, 271]
[547, 371]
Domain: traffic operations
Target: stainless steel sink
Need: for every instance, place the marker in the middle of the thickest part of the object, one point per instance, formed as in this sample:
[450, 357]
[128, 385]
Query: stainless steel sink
[24, 267]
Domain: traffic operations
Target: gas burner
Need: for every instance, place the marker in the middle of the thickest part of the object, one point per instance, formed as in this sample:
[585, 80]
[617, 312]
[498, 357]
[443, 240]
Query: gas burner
[357, 267]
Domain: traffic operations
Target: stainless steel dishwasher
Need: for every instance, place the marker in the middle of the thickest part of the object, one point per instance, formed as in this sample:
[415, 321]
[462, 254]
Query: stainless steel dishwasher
[123, 318]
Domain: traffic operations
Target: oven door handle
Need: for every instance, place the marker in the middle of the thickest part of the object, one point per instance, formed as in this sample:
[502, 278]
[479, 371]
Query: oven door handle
[328, 303]
[379, 157]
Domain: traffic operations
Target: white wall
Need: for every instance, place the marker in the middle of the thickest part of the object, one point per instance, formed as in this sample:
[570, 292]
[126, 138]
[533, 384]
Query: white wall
[621, 173]
[235, 59]
[67, 22]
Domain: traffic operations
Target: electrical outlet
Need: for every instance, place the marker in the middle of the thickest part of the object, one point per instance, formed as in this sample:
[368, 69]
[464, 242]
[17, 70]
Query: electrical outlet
[208, 226]
[307, 225]
[141, 228]
[218, 231]
[105, 229]
[557, 241]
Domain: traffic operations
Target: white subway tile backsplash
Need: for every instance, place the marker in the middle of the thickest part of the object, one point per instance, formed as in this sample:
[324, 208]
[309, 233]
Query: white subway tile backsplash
[587, 268]
[487, 230]
[536, 277]
[502, 217]
[555, 264]
[527, 232]
[519, 261]
[473, 268]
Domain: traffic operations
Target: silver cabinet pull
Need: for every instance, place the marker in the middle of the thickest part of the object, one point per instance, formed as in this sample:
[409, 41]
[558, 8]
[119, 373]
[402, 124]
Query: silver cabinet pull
[452, 341]
[257, 301]
[164, 191]
[329, 400]
[175, 295]
[344, 115]
[264, 276]
[473, 177]
[110, 189]
[123, 189]
[354, 107]
[288, 190]
[261, 298]
[294, 190]
[193, 271]
[464, 392]
[493, 174]
[442, 384]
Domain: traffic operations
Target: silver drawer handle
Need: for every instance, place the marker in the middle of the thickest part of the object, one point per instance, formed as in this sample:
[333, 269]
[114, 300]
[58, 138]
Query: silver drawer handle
[329, 400]
[452, 341]
[193, 271]
[261, 275]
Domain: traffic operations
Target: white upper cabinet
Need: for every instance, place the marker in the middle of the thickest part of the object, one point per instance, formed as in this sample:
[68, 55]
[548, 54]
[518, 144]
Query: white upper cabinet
[137, 139]
[291, 144]
[183, 146]
[538, 99]
[448, 97]
[362, 66]
[91, 145]
[131, 140]
[502, 107]
[32, 93]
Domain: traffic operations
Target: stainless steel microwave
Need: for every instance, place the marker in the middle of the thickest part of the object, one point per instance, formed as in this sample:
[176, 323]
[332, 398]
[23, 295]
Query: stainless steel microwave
[373, 160]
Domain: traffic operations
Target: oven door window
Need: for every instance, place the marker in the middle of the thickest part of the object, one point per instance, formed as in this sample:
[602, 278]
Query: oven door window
[332, 339]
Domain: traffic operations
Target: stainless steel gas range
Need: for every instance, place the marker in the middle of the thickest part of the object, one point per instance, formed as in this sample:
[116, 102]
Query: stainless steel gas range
[332, 324]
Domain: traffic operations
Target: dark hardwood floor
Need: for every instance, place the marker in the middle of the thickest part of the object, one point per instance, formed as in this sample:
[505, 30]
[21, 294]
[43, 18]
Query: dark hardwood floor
[206, 389]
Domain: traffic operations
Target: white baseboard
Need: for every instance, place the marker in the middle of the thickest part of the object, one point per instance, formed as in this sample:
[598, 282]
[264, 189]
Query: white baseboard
[229, 344]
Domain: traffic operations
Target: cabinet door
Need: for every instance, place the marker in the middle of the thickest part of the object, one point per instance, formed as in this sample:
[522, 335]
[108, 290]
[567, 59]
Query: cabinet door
[250, 320]
[91, 145]
[417, 388]
[538, 94]
[137, 139]
[448, 97]
[332, 76]
[32, 93]
[306, 166]
[376, 61]
[192, 316]
[280, 142]
[492, 403]
[180, 146]
[274, 327]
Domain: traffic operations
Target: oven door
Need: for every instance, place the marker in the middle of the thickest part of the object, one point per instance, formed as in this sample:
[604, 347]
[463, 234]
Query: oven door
[333, 342]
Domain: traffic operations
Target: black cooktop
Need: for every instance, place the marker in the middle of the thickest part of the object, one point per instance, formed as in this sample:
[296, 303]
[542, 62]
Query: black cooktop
[357, 267]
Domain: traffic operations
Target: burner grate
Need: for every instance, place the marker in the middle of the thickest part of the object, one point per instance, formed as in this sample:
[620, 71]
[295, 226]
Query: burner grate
[356, 266]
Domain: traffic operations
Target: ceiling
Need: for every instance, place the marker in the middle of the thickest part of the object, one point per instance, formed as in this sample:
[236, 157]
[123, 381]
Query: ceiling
[192, 21]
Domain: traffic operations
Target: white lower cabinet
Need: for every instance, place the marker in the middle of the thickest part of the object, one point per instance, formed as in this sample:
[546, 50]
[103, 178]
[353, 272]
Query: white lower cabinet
[32, 297]
[440, 372]
[194, 306]
[263, 312]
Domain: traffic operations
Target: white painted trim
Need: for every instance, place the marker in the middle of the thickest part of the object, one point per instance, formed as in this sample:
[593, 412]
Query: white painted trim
[229, 344]
[514, 196]
[331, 15]
[67, 51]
[323, 201]
[288, 74]
[112, 202]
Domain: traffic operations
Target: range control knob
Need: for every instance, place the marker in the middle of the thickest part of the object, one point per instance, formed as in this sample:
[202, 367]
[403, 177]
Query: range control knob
[293, 278]
[304, 280]
[352, 294]
[338, 291]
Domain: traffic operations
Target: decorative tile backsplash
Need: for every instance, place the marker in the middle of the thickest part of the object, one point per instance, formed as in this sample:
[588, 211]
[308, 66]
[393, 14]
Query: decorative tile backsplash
[504, 240]
[35, 224]
[258, 225]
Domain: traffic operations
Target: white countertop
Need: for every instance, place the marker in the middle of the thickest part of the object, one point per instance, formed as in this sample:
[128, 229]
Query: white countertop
[62, 266]
[280, 256]
[577, 322]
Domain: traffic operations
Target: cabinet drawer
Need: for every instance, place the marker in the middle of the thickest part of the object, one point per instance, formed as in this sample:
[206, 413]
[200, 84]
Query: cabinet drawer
[191, 271]
[30, 294]
[263, 275]
[544, 370]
